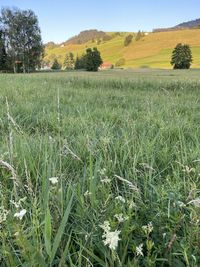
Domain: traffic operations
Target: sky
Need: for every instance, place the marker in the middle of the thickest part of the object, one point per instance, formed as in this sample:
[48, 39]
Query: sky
[62, 19]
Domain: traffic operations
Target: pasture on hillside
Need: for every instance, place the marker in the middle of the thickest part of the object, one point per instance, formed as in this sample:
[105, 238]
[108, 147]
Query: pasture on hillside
[100, 169]
[153, 50]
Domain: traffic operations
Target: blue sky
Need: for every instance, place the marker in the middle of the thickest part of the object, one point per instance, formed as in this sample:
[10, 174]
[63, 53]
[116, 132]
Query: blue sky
[61, 19]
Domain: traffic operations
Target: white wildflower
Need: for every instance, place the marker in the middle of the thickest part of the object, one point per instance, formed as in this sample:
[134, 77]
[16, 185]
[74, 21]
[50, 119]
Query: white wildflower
[195, 202]
[102, 171]
[3, 214]
[106, 180]
[105, 226]
[121, 218]
[87, 193]
[20, 214]
[120, 198]
[148, 228]
[53, 180]
[181, 204]
[17, 204]
[111, 239]
[139, 250]
[131, 204]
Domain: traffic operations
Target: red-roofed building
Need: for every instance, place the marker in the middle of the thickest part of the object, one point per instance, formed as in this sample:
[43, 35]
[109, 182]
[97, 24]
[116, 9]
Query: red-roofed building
[106, 65]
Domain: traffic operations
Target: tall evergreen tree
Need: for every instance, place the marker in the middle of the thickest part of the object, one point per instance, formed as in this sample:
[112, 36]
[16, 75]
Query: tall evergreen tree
[69, 61]
[80, 63]
[56, 65]
[181, 57]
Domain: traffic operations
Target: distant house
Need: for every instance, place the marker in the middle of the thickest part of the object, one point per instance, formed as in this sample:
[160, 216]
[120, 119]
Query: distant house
[106, 65]
[46, 67]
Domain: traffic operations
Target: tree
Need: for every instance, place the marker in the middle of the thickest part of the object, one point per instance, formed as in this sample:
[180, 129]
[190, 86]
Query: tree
[3, 54]
[55, 65]
[181, 57]
[23, 38]
[139, 36]
[69, 61]
[128, 39]
[80, 63]
[120, 62]
[92, 59]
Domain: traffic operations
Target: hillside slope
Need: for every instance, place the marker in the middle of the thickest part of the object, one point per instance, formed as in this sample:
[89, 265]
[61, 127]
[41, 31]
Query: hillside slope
[153, 50]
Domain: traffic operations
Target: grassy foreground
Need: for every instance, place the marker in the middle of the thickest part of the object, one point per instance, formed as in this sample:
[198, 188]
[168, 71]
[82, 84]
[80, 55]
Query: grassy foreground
[100, 169]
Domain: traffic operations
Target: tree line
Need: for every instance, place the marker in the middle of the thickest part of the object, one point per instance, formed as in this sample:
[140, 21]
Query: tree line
[90, 61]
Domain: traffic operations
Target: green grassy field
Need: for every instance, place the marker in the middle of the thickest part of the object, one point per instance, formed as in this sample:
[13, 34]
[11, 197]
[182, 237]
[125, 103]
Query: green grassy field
[100, 169]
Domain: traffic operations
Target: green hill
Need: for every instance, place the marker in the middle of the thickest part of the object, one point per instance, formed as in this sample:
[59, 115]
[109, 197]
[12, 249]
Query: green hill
[152, 50]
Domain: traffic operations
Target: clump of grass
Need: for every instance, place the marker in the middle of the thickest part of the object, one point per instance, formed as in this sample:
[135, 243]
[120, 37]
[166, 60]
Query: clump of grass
[99, 172]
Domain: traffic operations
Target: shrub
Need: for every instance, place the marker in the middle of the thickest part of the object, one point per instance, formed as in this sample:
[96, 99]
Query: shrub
[120, 62]
[128, 39]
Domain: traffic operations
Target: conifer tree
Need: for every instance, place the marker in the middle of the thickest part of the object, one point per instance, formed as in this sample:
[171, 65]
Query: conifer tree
[69, 61]
[181, 57]
[55, 65]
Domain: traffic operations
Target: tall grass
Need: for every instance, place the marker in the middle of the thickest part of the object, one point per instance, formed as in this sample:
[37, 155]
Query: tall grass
[115, 148]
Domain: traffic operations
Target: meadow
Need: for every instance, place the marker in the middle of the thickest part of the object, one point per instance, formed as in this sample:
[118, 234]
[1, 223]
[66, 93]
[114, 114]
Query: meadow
[100, 169]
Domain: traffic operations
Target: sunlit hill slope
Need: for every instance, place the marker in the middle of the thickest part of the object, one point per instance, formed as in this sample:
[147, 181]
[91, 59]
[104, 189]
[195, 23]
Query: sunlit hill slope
[153, 50]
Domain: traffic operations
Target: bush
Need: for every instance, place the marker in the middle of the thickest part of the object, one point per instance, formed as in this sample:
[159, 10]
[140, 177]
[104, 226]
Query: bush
[120, 62]
[128, 39]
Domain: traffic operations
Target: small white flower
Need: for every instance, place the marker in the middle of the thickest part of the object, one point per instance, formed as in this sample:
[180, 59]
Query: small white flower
[121, 218]
[87, 193]
[20, 214]
[111, 239]
[120, 198]
[105, 226]
[195, 202]
[53, 180]
[181, 204]
[106, 180]
[16, 234]
[131, 204]
[16, 204]
[148, 228]
[3, 214]
[139, 250]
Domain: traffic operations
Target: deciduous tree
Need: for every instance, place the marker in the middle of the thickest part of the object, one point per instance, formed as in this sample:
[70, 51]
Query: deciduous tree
[23, 37]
